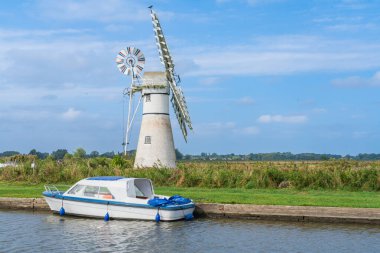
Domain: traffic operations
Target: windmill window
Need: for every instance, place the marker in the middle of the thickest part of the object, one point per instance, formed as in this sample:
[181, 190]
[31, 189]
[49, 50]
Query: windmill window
[147, 140]
[147, 98]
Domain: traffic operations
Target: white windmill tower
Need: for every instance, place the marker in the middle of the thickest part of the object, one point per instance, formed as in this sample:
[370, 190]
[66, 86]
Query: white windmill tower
[155, 145]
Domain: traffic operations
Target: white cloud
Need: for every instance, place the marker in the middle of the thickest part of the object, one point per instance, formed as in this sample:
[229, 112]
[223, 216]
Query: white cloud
[71, 114]
[319, 110]
[352, 27]
[245, 101]
[295, 119]
[26, 61]
[353, 4]
[358, 116]
[222, 1]
[33, 95]
[73, 57]
[221, 125]
[249, 2]
[209, 81]
[241, 101]
[357, 81]
[360, 134]
[93, 10]
[223, 128]
[25, 115]
[118, 28]
[252, 130]
[283, 55]
[257, 2]
[8, 34]
[214, 128]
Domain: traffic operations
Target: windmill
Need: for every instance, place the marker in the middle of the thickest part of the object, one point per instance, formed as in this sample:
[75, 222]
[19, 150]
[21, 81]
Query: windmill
[155, 144]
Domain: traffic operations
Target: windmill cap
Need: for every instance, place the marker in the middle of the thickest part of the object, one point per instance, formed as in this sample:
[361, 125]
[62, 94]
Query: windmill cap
[155, 75]
[155, 81]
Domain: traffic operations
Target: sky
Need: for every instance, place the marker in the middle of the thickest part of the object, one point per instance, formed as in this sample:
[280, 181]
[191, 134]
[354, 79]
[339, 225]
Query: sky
[258, 75]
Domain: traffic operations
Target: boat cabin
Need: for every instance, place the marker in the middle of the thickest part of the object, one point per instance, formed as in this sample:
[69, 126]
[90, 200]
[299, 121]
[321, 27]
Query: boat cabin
[113, 188]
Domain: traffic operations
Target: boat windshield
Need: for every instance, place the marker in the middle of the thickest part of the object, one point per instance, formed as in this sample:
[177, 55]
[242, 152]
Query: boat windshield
[76, 189]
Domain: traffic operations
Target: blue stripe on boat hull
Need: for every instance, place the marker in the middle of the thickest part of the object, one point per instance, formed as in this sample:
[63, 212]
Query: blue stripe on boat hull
[116, 203]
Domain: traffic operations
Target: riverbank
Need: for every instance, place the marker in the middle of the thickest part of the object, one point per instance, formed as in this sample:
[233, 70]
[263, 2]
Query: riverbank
[240, 211]
[263, 204]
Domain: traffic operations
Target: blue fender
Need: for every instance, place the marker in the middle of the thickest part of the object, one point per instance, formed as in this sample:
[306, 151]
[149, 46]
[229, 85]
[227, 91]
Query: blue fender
[158, 218]
[189, 216]
[62, 211]
[106, 217]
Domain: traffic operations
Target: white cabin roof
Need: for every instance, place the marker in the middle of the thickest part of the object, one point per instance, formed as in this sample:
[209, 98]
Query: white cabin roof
[108, 181]
[120, 187]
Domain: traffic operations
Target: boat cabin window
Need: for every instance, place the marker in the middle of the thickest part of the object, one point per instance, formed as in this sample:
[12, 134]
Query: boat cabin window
[91, 191]
[76, 190]
[104, 193]
[143, 188]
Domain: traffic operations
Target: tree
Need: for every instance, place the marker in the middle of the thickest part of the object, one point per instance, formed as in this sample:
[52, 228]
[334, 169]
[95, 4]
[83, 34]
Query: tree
[9, 153]
[59, 154]
[40, 155]
[33, 152]
[80, 153]
[108, 154]
[94, 154]
[324, 157]
[178, 154]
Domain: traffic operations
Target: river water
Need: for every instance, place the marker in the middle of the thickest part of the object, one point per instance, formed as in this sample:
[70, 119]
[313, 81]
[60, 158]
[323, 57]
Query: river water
[22, 231]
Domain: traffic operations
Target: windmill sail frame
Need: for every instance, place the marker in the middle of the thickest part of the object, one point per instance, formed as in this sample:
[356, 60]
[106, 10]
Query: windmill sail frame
[178, 100]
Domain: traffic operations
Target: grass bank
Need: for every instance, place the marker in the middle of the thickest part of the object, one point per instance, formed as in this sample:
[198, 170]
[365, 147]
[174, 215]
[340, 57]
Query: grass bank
[344, 175]
[290, 197]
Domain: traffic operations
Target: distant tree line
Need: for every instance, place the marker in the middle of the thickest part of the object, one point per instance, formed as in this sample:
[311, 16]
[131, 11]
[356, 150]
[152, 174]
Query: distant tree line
[280, 156]
[276, 156]
[61, 153]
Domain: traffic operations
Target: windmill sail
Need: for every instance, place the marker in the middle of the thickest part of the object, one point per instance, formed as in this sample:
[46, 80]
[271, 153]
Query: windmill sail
[178, 100]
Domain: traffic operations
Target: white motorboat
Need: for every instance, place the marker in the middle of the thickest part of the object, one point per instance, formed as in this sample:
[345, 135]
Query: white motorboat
[113, 197]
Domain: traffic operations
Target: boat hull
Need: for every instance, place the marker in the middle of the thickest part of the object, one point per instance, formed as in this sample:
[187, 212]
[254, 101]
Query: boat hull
[117, 211]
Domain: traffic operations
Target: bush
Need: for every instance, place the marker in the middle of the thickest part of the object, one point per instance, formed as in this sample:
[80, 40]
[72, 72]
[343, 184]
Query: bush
[332, 175]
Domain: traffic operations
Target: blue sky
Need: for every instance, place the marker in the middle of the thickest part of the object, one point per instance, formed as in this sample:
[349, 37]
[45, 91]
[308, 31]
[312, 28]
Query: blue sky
[258, 76]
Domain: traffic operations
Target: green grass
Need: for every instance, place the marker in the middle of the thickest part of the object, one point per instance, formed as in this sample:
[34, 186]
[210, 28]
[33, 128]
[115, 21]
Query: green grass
[238, 196]
[278, 197]
[23, 190]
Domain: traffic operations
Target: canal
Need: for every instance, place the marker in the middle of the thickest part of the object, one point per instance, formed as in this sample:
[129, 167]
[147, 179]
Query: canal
[22, 231]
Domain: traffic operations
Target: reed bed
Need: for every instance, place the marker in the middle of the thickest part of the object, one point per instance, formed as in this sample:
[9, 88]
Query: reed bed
[329, 175]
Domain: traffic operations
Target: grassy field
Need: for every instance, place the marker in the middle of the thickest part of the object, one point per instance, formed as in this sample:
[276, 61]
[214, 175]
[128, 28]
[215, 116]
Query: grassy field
[341, 175]
[242, 196]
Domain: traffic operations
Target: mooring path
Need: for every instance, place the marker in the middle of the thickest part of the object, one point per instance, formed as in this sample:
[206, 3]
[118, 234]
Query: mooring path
[244, 211]
[292, 213]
